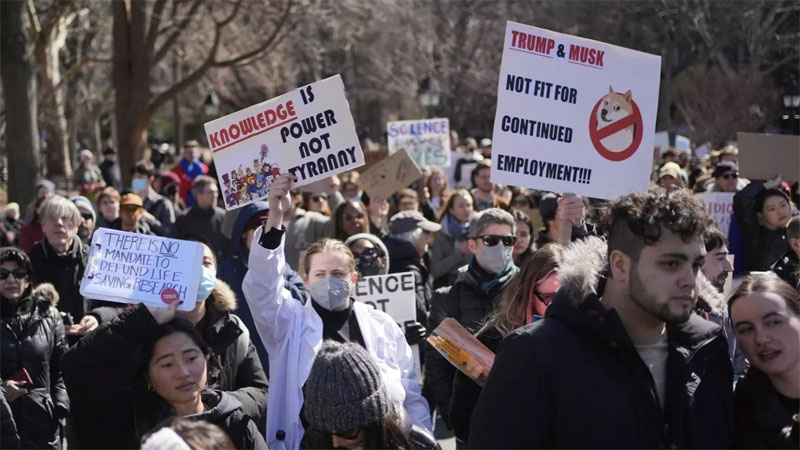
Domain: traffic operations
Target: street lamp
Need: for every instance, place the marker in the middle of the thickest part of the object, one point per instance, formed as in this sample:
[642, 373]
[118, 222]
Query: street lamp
[429, 93]
[211, 104]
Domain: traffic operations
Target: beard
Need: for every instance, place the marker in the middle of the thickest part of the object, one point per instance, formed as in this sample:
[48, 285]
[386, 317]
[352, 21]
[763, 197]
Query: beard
[648, 301]
[719, 281]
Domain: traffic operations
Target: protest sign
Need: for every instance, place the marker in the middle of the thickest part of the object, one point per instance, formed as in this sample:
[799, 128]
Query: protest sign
[390, 175]
[574, 115]
[308, 132]
[682, 143]
[134, 268]
[427, 141]
[762, 156]
[661, 140]
[393, 294]
[719, 206]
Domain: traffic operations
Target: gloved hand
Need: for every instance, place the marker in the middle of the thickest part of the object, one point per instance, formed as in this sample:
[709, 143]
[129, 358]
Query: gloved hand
[415, 333]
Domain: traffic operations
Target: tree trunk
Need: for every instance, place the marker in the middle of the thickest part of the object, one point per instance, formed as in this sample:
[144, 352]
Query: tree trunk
[131, 76]
[19, 87]
[54, 116]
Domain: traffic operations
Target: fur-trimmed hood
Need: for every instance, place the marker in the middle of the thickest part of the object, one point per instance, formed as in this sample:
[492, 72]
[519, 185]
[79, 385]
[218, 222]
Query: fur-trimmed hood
[582, 266]
[585, 263]
[45, 295]
[223, 296]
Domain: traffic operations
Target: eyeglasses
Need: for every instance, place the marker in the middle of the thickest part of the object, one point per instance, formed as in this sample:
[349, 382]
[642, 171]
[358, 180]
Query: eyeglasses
[728, 176]
[490, 240]
[350, 217]
[347, 434]
[18, 273]
[316, 198]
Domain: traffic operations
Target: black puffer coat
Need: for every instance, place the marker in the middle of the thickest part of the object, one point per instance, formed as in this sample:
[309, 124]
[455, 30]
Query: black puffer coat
[32, 336]
[575, 379]
[64, 272]
[762, 421]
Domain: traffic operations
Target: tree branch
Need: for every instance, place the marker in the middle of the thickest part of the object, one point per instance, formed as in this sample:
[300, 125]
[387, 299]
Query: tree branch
[155, 24]
[170, 41]
[265, 45]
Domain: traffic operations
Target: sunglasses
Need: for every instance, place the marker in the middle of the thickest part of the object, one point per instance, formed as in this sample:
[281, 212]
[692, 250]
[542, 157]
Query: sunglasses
[490, 240]
[347, 434]
[316, 198]
[728, 176]
[350, 217]
[18, 273]
[86, 216]
[545, 299]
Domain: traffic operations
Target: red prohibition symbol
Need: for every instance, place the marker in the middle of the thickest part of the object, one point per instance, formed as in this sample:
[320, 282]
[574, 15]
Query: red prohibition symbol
[596, 136]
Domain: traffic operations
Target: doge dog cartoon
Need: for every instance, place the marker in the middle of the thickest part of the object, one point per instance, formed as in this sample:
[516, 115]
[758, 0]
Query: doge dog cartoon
[613, 108]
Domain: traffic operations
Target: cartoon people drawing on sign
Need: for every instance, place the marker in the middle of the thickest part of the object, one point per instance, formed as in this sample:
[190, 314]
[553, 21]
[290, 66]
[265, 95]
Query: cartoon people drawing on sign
[615, 126]
[264, 153]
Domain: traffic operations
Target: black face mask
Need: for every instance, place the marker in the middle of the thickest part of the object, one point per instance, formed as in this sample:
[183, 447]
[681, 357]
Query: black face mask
[368, 263]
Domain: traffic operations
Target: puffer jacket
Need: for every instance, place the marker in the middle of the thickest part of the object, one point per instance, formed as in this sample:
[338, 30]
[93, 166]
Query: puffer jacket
[575, 379]
[762, 421]
[465, 302]
[32, 336]
[64, 272]
[225, 411]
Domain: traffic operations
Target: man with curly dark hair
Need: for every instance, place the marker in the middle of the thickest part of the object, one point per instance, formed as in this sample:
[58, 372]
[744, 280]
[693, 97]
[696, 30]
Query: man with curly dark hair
[620, 360]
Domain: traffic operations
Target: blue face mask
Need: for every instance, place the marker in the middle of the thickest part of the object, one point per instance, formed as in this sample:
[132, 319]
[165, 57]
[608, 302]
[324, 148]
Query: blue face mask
[139, 184]
[207, 283]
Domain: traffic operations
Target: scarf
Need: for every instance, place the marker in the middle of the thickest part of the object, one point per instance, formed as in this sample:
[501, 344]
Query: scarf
[491, 284]
[455, 228]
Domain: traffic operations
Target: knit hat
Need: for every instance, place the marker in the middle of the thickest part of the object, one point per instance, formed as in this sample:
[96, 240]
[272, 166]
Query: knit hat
[84, 205]
[344, 389]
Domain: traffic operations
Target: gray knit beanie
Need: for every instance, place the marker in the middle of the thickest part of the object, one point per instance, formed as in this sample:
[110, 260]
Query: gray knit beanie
[344, 390]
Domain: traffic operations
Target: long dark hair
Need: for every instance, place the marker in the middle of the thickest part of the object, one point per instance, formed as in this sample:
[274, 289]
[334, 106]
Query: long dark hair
[339, 216]
[150, 409]
[767, 282]
[386, 434]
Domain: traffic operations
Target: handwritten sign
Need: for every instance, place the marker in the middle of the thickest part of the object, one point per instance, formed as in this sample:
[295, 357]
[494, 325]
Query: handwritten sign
[308, 132]
[393, 294]
[719, 205]
[133, 268]
[427, 141]
[574, 115]
[390, 175]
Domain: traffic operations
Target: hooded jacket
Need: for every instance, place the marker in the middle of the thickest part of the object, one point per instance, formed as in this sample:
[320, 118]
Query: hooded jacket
[100, 370]
[32, 337]
[762, 421]
[575, 379]
[234, 268]
[225, 411]
[64, 272]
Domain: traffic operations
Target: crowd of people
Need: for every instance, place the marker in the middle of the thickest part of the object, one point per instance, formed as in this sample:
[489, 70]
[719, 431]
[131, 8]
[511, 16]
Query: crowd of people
[613, 322]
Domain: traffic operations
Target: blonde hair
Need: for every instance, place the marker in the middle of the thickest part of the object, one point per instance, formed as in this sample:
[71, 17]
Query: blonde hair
[109, 192]
[328, 245]
[58, 207]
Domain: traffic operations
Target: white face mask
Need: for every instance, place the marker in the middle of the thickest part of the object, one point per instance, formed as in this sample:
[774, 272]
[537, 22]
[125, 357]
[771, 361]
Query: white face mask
[331, 293]
[207, 283]
[495, 259]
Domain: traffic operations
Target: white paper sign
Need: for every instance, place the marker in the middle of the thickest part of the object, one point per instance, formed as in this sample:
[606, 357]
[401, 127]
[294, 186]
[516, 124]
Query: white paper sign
[574, 115]
[134, 268]
[719, 205]
[393, 294]
[426, 141]
[308, 132]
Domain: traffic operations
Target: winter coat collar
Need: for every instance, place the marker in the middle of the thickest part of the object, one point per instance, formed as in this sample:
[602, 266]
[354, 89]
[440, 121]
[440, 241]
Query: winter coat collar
[219, 406]
[583, 273]
[74, 252]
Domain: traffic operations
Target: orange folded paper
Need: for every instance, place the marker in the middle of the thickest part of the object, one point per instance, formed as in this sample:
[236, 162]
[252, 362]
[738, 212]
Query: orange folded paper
[462, 350]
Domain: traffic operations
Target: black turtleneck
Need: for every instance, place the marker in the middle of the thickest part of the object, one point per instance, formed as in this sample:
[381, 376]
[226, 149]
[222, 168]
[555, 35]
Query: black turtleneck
[333, 323]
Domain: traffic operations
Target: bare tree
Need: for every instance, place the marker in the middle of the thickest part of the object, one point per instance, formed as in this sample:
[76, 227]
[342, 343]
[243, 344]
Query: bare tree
[19, 87]
[144, 33]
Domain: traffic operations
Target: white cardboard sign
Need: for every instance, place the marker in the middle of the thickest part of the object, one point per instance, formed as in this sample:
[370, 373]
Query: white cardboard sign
[308, 132]
[574, 115]
[427, 141]
[719, 205]
[126, 267]
[393, 294]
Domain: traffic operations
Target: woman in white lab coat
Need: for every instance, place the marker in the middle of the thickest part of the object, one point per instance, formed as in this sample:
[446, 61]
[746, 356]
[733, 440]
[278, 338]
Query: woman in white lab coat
[293, 330]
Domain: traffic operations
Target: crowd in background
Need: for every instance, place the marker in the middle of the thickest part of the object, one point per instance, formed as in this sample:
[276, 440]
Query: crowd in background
[622, 337]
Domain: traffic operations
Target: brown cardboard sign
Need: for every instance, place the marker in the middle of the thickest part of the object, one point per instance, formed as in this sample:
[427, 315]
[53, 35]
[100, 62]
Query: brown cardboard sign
[390, 175]
[762, 156]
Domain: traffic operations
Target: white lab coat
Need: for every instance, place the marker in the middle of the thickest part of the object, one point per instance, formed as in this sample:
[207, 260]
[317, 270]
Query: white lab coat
[292, 334]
